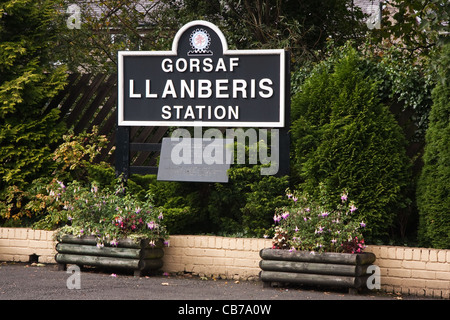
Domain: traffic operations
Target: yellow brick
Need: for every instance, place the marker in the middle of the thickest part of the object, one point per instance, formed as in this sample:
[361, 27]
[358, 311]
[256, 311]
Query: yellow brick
[416, 254]
[190, 241]
[6, 257]
[437, 284]
[21, 233]
[413, 283]
[37, 244]
[425, 255]
[391, 253]
[400, 273]
[420, 274]
[437, 266]
[18, 243]
[408, 254]
[4, 242]
[433, 255]
[232, 244]
[443, 276]
[239, 243]
[211, 242]
[413, 264]
[219, 242]
[389, 263]
[47, 259]
[198, 242]
[399, 253]
[441, 255]
[10, 233]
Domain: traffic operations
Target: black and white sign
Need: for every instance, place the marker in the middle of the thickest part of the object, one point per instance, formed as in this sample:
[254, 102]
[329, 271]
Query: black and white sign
[201, 83]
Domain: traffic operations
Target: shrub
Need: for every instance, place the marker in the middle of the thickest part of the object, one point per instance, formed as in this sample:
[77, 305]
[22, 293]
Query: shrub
[344, 138]
[107, 215]
[27, 82]
[246, 204]
[433, 192]
[310, 225]
[73, 159]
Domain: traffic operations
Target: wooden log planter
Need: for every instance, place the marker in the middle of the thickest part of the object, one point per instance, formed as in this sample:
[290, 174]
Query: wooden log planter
[318, 269]
[137, 256]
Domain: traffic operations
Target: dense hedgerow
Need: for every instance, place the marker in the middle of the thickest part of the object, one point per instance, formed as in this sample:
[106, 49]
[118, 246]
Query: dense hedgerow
[27, 82]
[344, 138]
[433, 192]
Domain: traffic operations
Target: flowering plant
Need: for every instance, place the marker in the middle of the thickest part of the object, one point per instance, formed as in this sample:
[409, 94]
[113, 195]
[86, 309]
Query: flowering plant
[314, 226]
[108, 215]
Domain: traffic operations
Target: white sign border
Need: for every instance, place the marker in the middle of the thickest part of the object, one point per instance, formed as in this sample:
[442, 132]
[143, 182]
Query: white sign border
[173, 52]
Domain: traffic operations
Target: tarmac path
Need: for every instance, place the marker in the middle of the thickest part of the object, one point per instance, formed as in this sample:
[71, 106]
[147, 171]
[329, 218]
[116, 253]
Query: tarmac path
[41, 290]
[22, 281]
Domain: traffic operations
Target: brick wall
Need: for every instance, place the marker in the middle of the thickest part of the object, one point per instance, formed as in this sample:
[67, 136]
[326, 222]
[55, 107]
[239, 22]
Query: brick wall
[17, 244]
[227, 258]
[415, 271]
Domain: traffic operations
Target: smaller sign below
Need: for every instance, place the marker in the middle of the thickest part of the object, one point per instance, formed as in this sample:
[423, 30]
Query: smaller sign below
[195, 159]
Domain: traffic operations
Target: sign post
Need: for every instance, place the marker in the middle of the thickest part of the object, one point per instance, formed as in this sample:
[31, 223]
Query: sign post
[201, 83]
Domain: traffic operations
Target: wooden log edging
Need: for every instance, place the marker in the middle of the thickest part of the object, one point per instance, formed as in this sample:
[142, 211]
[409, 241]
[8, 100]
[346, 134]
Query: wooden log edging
[323, 269]
[138, 256]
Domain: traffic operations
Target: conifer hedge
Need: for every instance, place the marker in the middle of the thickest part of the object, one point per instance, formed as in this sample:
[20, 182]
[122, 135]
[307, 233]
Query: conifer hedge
[433, 191]
[345, 139]
[27, 82]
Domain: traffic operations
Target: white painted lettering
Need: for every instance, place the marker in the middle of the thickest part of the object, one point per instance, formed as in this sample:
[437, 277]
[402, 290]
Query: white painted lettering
[207, 65]
[222, 85]
[239, 85]
[169, 89]
[132, 94]
[221, 65]
[195, 64]
[204, 88]
[147, 90]
[189, 89]
[268, 90]
[181, 65]
[166, 65]
[234, 62]
[166, 112]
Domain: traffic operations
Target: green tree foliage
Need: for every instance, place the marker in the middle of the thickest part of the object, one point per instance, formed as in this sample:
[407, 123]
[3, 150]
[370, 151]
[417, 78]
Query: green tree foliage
[244, 206]
[415, 25]
[344, 138]
[433, 192]
[302, 27]
[247, 203]
[27, 81]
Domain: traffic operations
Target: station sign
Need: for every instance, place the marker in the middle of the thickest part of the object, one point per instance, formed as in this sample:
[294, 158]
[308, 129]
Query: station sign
[200, 82]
